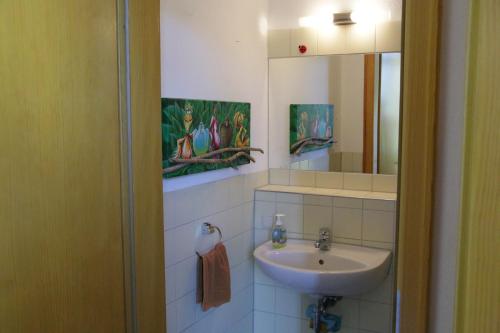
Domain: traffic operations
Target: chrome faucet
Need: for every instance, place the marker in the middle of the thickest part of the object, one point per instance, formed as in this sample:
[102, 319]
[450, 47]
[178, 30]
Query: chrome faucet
[323, 243]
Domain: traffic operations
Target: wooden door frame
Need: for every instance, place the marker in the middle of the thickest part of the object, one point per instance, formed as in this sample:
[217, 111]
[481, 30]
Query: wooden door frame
[142, 194]
[419, 95]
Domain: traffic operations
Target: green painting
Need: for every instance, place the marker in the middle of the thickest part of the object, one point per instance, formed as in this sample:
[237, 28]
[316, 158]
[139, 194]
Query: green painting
[311, 127]
[201, 135]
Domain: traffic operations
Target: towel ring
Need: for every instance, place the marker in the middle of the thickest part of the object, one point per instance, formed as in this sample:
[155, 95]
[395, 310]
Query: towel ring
[208, 229]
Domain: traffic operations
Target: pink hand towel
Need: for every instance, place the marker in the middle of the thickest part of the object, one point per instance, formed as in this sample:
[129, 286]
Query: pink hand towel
[214, 279]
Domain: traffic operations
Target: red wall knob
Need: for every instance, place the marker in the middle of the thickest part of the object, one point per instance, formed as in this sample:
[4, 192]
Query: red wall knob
[302, 49]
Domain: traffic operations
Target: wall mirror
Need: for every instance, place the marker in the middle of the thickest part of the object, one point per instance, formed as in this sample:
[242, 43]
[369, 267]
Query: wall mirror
[363, 93]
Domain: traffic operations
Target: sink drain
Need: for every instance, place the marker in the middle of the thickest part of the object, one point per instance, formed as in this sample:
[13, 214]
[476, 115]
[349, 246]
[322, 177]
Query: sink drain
[321, 261]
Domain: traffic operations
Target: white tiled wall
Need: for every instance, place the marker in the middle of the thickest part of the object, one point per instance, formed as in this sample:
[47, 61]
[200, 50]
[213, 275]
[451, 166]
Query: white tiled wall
[335, 180]
[384, 37]
[229, 205]
[353, 221]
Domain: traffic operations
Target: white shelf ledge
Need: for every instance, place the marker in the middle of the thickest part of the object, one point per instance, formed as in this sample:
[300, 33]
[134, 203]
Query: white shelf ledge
[330, 192]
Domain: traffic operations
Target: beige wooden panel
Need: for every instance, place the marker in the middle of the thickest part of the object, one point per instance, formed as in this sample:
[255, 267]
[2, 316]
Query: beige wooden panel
[419, 107]
[478, 289]
[146, 150]
[304, 36]
[278, 43]
[60, 214]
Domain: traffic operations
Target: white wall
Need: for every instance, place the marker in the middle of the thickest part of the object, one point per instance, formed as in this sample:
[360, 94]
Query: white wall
[450, 124]
[217, 50]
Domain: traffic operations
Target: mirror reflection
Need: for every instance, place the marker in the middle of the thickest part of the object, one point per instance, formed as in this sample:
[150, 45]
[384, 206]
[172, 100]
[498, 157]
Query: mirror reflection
[336, 113]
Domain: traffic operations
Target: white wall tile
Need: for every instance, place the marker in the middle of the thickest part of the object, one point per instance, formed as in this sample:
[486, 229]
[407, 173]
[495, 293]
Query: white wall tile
[348, 241]
[349, 310]
[378, 226]
[241, 276]
[375, 317]
[357, 181]
[329, 180]
[379, 245]
[264, 214]
[239, 248]
[279, 176]
[361, 38]
[261, 277]
[304, 36]
[346, 162]
[278, 41]
[245, 325]
[186, 311]
[318, 200]
[357, 162]
[332, 40]
[383, 293]
[265, 196]
[170, 275]
[264, 297]
[316, 217]
[263, 322]
[185, 276]
[171, 318]
[347, 222]
[293, 216]
[169, 248]
[388, 36]
[302, 178]
[288, 324]
[261, 236]
[289, 198]
[385, 183]
[236, 191]
[288, 302]
[347, 202]
[385, 205]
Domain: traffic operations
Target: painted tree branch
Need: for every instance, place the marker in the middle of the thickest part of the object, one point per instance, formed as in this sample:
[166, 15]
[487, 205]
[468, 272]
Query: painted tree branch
[297, 148]
[204, 158]
[300, 142]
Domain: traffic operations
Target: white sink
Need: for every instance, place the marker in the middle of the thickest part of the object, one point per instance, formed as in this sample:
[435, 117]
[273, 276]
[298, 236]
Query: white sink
[345, 270]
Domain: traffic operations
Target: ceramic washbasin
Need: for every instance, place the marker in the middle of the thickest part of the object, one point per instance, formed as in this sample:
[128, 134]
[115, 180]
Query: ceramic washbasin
[344, 270]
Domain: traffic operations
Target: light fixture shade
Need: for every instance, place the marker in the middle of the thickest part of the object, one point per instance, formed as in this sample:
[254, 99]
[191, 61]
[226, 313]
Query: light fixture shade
[342, 18]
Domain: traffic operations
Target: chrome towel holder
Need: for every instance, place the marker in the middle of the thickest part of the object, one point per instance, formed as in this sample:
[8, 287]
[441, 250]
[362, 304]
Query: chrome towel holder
[208, 229]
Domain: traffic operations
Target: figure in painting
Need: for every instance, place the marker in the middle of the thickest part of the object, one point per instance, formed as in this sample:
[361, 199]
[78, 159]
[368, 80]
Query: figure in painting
[201, 140]
[226, 133]
[214, 132]
[184, 146]
[315, 126]
[242, 139]
[302, 128]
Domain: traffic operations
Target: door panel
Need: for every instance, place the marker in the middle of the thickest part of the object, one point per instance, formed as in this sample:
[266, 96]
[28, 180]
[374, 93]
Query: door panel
[60, 204]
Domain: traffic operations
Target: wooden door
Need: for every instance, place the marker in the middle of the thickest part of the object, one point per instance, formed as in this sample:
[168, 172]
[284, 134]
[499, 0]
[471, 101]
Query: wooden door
[61, 251]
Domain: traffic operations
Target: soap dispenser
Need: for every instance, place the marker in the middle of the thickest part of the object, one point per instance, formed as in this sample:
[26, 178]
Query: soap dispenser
[279, 232]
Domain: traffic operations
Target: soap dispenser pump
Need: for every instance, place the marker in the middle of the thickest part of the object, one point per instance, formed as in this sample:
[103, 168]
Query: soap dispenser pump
[279, 237]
